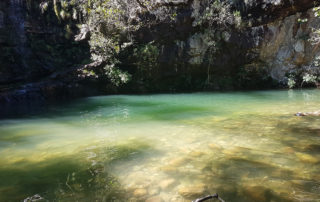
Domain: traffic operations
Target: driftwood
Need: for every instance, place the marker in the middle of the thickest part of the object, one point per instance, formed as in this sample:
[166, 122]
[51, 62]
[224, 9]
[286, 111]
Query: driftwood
[209, 197]
[35, 198]
[84, 33]
[315, 113]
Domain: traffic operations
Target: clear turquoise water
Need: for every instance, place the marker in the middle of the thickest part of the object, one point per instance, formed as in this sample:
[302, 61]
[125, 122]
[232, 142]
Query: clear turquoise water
[246, 146]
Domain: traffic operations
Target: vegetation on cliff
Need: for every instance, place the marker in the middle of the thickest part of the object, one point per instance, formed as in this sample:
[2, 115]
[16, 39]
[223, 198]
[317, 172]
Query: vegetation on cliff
[161, 46]
[309, 74]
[111, 28]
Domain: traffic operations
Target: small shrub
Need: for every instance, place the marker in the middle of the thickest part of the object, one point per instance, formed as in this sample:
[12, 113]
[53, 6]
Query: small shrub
[309, 79]
[291, 82]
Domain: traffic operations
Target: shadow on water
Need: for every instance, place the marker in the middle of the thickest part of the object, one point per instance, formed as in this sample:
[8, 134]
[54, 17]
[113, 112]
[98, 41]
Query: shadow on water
[143, 109]
[20, 135]
[244, 180]
[81, 177]
[304, 126]
[302, 133]
[58, 179]
[314, 148]
[244, 175]
[175, 112]
[70, 108]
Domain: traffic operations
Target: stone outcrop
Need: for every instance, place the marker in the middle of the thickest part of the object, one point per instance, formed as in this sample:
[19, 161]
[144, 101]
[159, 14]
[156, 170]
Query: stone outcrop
[283, 44]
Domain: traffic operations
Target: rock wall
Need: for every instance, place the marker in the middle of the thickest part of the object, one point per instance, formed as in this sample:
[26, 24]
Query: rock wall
[284, 46]
[271, 43]
[172, 53]
[12, 41]
[38, 54]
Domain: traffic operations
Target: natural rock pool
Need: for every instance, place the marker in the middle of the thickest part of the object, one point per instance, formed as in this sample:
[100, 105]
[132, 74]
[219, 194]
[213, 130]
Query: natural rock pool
[246, 146]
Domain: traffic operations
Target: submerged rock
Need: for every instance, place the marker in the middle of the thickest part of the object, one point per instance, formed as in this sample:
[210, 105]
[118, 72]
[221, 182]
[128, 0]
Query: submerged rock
[288, 150]
[165, 184]
[139, 192]
[307, 158]
[178, 161]
[312, 148]
[155, 199]
[196, 153]
[256, 193]
[169, 169]
[214, 146]
[194, 191]
[153, 191]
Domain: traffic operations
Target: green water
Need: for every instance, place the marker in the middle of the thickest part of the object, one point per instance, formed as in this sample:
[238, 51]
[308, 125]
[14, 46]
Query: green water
[246, 146]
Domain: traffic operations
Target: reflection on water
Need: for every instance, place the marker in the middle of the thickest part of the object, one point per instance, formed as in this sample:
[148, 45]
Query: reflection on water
[245, 146]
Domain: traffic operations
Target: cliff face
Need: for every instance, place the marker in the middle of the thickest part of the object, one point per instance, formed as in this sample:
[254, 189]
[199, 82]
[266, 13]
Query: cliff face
[168, 55]
[14, 52]
[37, 52]
[271, 43]
[284, 46]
